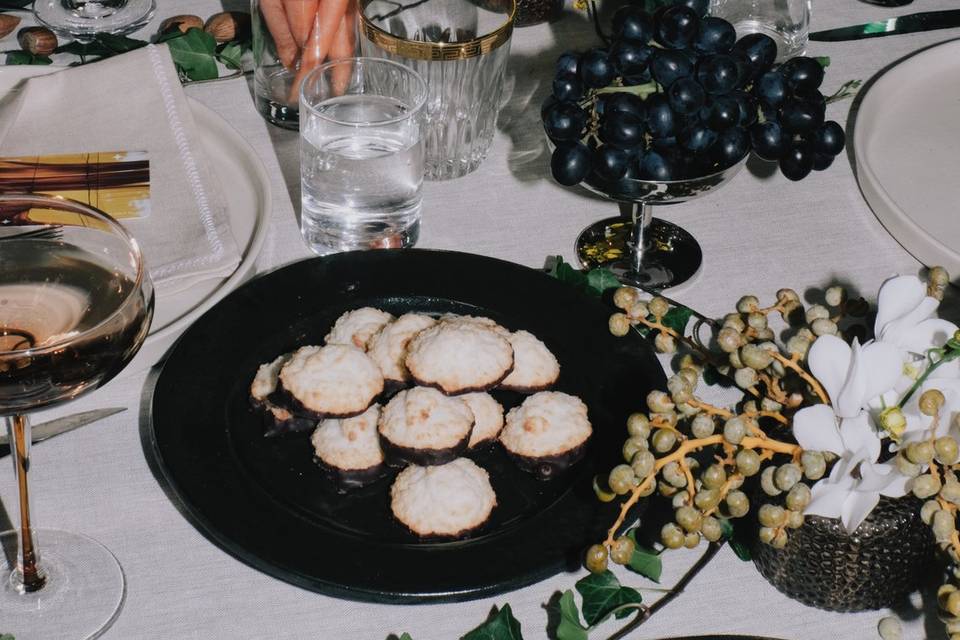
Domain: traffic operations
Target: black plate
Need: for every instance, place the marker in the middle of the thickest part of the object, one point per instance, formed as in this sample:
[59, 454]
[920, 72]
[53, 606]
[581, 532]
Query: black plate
[266, 502]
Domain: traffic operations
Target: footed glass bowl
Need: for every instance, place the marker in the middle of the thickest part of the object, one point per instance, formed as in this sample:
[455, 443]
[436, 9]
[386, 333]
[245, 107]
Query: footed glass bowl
[638, 248]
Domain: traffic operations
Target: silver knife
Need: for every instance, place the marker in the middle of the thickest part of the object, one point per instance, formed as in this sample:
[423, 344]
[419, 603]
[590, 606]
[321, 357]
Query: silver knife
[911, 23]
[44, 430]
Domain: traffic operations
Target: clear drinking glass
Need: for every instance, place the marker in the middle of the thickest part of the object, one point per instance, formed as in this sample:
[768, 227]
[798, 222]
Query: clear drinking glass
[83, 19]
[361, 155]
[786, 21]
[75, 305]
[460, 47]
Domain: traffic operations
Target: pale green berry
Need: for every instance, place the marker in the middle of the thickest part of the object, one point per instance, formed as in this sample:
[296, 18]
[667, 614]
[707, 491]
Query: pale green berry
[672, 536]
[711, 529]
[659, 401]
[734, 321]
[746, 304]
[764, 334]
[734, 430]
[817, 312]
[663, 440]
[920, 452]
[950, 492]
[771, 515]
[622, 550]
[658, 307]
[648, 489]
[638, 425]
[947, 450]
[767, 484]
[642, 463]
[787, 476]
[890, 629]
[619, 325]
[798, 497]
[779, 539]
[667, 417]
[755, 357]
[938, 276]
[625, 297]
[746, 377]
[943, 525]
[728, 339]
[714, 476]
[766, 534]
[930, 402]
[621, 479]
[688, 518]
[748, 462]
[757, 320]
[794, 519]
[703, 426]
[952, 604]
[638, 311]
[814, 466]
[798, 345]
[691, 540]
[824, 327]
[681, 499]
[770, 405]
[665, 343]
[738, 505]
[906, 467]
[596, 559]
[690, 375]
[706, 499]
[673, 474]
[679, 390]
[787, 295]
[835, 296]
[926, 486]
[632, 445]
[927, 511]
[734, 359]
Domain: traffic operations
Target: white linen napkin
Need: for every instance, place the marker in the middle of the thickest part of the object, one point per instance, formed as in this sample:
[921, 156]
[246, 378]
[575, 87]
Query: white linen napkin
[134, 102]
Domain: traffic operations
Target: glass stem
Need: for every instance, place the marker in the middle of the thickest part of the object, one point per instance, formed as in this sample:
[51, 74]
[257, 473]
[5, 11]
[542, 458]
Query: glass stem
[27, 577]
[640, 213]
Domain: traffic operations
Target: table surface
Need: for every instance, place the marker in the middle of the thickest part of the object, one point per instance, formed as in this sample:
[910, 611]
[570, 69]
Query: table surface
[760, 233]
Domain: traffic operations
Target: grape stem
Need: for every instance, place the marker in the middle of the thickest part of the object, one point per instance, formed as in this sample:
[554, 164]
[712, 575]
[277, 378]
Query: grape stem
[791, 363]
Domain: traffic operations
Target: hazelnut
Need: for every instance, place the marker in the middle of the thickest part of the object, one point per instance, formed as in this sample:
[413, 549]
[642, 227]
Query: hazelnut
[7, 24]
[184, 23]
[39, 41]
[228, 25]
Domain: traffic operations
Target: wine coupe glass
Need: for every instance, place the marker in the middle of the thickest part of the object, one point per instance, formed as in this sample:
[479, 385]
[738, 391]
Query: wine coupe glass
[638, 248]
[75, 306]
[83, 19]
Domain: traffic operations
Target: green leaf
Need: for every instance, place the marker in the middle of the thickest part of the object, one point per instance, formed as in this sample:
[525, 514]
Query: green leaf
[600, 279]
[194, 54]
[644, 561]
[823, 60]
[710, 375]
[119, 44]
[6, 636]
[602, 593]
[502, 626]
[677, 318]
[736, 542]
[25, 57]
[405, 636]
[230, 55]
[84, 49]
[570, 627]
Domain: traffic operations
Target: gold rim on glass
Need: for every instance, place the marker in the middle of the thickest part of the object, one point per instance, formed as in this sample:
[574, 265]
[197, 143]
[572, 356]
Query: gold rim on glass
[419, 50]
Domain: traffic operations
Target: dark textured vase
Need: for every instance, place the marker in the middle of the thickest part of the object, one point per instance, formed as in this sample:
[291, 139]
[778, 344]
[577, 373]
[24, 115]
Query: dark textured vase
[823, 566]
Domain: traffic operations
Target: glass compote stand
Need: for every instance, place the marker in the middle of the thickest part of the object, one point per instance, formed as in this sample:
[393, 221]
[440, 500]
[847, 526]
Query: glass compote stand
[84, 19]
[638, 248]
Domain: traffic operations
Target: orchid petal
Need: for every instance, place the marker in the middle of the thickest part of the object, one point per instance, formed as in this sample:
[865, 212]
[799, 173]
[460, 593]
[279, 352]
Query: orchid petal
[877, 477]
[897, 297]
[856, 508]
[898, 331]
[883, 366]
[860, 437]
[927, 334]
[829, 360]
[815, 429]
[897, 488]
[849, 400]
[827, 498]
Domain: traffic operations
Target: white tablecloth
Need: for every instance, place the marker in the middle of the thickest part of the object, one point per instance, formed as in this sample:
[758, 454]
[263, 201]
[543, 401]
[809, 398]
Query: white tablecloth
[757, 235]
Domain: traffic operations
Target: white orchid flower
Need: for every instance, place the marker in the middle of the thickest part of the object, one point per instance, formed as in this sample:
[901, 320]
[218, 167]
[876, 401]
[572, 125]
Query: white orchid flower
[905, 319]
[852, 376]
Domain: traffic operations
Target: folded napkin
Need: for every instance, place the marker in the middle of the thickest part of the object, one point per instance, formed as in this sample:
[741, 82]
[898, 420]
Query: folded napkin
[134, 102]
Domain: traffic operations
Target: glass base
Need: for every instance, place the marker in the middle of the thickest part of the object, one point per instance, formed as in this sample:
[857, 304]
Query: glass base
[324, 241]
[83, 594]
[93, 17]
[671, 256]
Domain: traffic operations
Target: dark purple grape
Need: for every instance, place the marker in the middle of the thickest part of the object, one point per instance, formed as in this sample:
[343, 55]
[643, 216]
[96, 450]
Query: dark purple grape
[656, 166]
[686, 96]
[548, 103]
[699, 7]
[660, 118]
[623, 129]
[731, 146]
[677, 27]
[568, 62]
[802, 73]
[772, 88]
[768, 140]
[748, 107]
[822, 161]
[665, 146]
[633, 24]
[630, 59]
[596, 70]
[797, 162]
[624, 102]
[638, 78]
[567, 87]
[668, 66]
[718, 74]
[715, 35]
[610, 163]
[759, 49]
[829, 138]
[813, 97]
[565, 121]
[571, 163]
[724, 113]
[801, 117]
[697, 138]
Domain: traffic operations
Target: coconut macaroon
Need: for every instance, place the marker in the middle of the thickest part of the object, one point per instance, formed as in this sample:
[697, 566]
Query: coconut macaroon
[449, 500]
[535, 368]
[357, 327]
[278, 420]
[487, 418]
[476, 321]
[349, 448]
[388, 348]
[547, 433]
[335, 381]
[458, 357]
[423, 426]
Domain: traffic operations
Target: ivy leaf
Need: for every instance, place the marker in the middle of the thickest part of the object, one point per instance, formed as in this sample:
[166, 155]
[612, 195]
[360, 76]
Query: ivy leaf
[25, 57]
[677, 318]
[84, 49]
[593, 282]
[6, 636]
[644, 561]
[563, 272]
[823, 60]
[599, 280]
[602, 593]
[729, 533]
[230, 56]
[194, 54]
[570, 627]
[502, 626]
[119, 44]
[405, 636]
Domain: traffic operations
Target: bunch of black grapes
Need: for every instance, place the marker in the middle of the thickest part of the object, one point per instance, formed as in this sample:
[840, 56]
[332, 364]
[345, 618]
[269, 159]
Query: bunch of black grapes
[677, 96]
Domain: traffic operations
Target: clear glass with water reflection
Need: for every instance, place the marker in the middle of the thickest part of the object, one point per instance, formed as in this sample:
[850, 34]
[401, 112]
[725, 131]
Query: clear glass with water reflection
[786, 21]
[361, 155]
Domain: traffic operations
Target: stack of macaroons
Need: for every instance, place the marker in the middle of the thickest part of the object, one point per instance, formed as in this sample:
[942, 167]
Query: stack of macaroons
[413, 392]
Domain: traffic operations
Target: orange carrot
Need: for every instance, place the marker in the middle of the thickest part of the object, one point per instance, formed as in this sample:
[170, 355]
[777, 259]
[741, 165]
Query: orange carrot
[300, 14]
[344, 46]
[325, 26]
[274, 16]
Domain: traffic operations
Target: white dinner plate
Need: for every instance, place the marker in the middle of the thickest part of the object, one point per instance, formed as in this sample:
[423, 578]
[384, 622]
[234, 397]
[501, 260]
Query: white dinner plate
[248, 208]
[907, 148]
